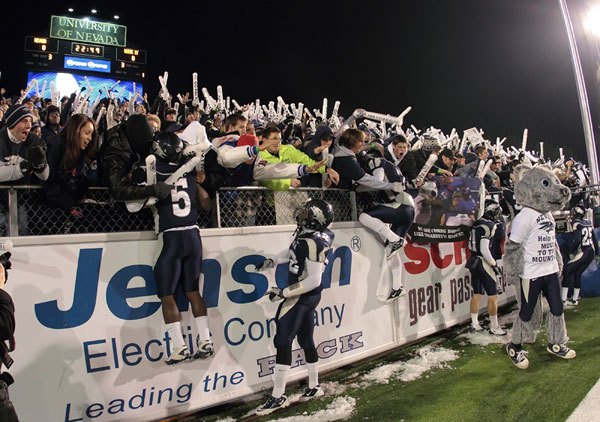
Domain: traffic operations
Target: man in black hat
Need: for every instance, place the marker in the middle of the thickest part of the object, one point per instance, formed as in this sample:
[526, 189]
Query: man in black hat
[22, 154]
[126, 146]
[52, 127]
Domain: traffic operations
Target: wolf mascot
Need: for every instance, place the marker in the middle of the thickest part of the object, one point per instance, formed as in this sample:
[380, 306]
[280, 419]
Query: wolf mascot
[533, 261]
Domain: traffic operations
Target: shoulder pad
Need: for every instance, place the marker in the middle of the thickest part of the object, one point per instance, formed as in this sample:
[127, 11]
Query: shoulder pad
[317, 248]
[486, 226]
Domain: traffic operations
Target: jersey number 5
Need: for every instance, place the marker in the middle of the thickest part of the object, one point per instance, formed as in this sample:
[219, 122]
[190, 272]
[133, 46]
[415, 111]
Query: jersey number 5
[180, 199]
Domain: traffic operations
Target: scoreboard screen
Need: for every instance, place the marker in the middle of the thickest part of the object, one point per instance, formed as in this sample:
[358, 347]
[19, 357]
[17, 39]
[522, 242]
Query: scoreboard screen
[67, 83]
[52, 54]
[41, 44]
[131, 55]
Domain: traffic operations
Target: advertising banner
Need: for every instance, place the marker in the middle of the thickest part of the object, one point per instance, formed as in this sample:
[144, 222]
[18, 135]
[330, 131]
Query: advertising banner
[91, 341]
[80, 63]
[445, 209]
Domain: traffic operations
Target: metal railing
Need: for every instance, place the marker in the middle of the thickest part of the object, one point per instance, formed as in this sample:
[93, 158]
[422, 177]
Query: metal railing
[24, 213]
[258, 206]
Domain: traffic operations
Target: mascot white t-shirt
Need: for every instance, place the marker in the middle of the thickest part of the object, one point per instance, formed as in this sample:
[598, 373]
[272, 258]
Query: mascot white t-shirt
[536, 232]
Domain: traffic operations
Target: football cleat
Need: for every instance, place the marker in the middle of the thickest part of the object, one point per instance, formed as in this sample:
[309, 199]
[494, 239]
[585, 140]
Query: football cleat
[476, 327]
[205, 349]
[392, 248]
[574, 302]
[178, 355]
[517, 356]
[311, 393]
[395, 294]
[273, 404]
[561, 351]
[498, 331]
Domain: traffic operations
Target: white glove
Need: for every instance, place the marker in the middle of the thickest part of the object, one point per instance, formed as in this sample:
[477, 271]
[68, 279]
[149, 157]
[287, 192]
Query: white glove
[397, 187]
[266, 264]
[358, 113]
[275, 294]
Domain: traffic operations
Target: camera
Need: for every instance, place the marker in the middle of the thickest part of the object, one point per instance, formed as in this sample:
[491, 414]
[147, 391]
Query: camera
[5, 254]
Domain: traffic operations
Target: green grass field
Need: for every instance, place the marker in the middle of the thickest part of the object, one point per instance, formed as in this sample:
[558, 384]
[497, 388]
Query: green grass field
[481, 385]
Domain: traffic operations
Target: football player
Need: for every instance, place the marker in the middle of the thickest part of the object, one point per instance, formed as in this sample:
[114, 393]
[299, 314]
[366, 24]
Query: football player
[585, 247]
[390, 218]
[484, 267]
[180, 245]
[307, 258]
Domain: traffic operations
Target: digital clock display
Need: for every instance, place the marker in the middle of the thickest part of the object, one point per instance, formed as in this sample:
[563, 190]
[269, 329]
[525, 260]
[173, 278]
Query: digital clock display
[87, 50]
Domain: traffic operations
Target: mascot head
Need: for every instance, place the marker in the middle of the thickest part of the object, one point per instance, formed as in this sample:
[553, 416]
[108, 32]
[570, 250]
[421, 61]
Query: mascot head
[539, 188]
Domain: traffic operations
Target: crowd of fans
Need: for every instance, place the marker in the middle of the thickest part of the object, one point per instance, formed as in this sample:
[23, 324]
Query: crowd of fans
[70, 145]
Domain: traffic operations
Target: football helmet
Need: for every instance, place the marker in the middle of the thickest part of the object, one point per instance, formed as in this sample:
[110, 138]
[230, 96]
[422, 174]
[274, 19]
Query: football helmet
[314, 214]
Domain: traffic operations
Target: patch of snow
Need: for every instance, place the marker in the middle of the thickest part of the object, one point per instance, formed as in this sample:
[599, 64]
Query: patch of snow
[340, 408]
[412, 369]
[483, 338]
[333, 388]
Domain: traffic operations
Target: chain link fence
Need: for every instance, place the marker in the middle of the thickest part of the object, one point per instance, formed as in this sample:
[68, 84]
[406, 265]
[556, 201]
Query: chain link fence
[23, 212]
[257, 206]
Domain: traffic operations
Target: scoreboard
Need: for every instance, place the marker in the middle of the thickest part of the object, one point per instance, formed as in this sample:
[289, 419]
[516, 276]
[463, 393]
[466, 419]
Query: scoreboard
[52, 54]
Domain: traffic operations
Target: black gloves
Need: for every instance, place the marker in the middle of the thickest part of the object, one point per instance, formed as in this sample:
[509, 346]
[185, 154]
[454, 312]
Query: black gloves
[162, 190]
[266, 264]
[35, 159]
[275, 294]
[138, 175]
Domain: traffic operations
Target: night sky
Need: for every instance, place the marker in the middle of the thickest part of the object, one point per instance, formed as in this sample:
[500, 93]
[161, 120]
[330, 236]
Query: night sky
[499, 65]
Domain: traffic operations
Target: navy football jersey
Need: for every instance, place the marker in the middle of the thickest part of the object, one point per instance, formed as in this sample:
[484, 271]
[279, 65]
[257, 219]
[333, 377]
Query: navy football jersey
[181, 208]
[312, 245]
[481, 229]
[392, 174]
[583, 229]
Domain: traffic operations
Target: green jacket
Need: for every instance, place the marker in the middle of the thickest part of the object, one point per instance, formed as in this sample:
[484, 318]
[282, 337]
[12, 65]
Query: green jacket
[287, 154]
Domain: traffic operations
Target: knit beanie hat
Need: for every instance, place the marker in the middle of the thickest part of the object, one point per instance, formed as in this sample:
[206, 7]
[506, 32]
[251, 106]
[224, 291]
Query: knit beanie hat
[15, 114]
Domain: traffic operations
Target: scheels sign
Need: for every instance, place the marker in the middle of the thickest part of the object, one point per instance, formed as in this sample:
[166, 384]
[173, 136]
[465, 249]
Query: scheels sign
[87, 64]
[73, 29]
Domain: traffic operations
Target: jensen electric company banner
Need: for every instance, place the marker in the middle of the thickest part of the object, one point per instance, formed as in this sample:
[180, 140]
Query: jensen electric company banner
[91, 342]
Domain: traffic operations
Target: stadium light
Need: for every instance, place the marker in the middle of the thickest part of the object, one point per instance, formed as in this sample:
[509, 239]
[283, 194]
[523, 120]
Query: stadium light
[71, 9]
[592, 22]
[94, 11]
[584, 105]
[116, 17]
